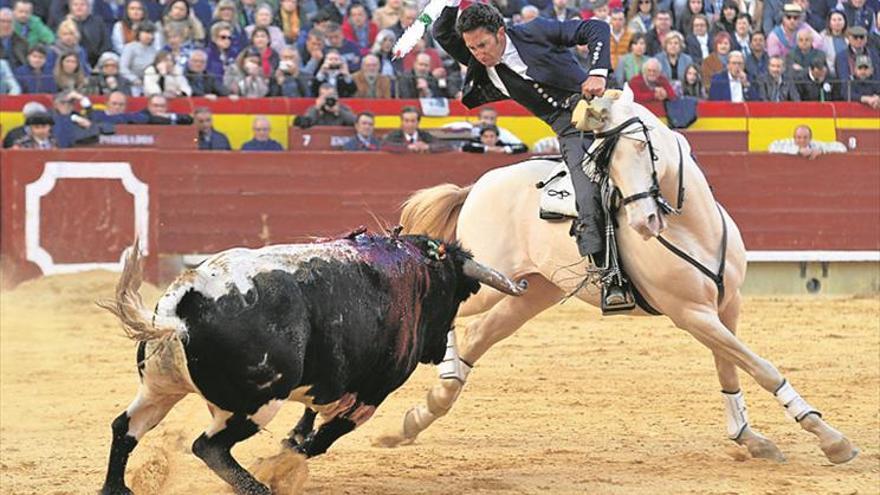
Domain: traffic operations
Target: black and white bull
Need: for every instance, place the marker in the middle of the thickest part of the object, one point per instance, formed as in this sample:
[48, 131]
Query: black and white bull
[336, 325]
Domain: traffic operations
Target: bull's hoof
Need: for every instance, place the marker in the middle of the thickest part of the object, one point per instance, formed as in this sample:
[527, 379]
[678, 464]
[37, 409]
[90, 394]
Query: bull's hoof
[840, 450]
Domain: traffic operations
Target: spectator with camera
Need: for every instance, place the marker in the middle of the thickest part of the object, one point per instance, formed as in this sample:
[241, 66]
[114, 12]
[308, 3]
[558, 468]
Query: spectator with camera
[165, 78]
[105, 78]
[246, 77]
[349, 51]
[420, 82]
[364, 138]
[261, 141]
[327, 110]
[289, 79]
[335, 72]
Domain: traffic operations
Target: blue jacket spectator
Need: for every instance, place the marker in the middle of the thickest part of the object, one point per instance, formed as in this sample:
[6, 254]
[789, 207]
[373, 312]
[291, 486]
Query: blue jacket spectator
[261, 140]
[844, 61]
[209, 138]
[732, 84]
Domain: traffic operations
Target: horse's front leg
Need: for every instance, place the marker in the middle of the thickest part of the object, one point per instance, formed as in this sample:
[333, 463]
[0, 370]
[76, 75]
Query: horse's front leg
[703, 323]
[738, 428]
[499, 323]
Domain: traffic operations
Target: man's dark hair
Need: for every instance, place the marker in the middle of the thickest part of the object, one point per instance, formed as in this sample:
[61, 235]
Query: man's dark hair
[201, 110]
[412, 109]
[753, 33]
[479, 15]
[365, 114]
[489, 128]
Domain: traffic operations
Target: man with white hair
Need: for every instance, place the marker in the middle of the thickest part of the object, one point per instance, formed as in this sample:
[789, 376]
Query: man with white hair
[261, 141]
[651, 85]
[528, 13]
[733, 84]
[30, 108]
[13, 47]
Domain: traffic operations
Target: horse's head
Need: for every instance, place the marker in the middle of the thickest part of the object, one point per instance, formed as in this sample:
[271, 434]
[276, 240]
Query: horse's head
[624, 152]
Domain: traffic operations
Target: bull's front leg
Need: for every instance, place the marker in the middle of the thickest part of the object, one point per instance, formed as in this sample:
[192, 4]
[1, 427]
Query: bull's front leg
[320, 440]
[304, 427]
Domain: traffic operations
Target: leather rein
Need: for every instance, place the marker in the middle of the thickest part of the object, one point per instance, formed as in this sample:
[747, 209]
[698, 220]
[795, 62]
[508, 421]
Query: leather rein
[603, 153]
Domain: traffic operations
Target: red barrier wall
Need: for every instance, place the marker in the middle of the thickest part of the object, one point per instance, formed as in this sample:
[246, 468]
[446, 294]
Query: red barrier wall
[192, 202]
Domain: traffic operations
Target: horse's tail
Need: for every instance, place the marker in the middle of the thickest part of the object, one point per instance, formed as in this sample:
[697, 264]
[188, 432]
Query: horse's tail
[434, 211]
[128, 306]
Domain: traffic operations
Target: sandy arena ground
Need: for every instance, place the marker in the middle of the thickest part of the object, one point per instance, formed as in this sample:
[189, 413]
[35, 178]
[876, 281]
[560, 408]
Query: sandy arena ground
[571, 404]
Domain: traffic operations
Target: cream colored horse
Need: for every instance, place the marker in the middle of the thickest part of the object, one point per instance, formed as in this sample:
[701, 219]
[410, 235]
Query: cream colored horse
[497, 219]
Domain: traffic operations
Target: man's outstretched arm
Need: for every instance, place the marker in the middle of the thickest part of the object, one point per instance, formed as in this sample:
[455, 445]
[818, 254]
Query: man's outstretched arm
[447, 37]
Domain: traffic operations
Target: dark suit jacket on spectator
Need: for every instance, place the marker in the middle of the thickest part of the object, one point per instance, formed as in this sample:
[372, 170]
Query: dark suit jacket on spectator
[205, 84]
[854, 90]
[176, 118]
[214, 141]
[866, 14]
[14, 49]
[770, 90]
[720, 89]
[692, 48]
[757, 67]
[269, 145]
[94, 37]
[356, 144]
[14, 135]
[292, 87]
[407, 87]
[101, 117]
[34, 82]
[846, 57]
[652, 43]
[811, 90]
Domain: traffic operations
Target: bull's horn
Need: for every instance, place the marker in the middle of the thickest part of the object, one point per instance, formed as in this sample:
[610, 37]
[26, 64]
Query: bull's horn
[494, 279]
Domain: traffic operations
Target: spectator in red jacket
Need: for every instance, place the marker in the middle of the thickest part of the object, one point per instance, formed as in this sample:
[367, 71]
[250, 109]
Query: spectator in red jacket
[651, 85]
[358, 29]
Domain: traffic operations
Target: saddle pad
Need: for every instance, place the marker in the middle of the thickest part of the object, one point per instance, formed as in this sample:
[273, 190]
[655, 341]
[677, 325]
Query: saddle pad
[557, 196]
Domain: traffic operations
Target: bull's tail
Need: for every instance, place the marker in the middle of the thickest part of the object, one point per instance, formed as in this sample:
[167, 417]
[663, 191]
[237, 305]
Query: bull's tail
[128, 306]
[434, 211]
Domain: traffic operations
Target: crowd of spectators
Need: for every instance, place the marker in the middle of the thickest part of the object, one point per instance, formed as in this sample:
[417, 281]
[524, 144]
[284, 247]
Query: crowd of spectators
[330, 50]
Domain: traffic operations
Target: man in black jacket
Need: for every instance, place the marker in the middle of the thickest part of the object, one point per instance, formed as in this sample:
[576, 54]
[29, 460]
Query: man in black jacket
[775, 86]
[94, 36]
[13, 47]
[201, 82]
[816, 86]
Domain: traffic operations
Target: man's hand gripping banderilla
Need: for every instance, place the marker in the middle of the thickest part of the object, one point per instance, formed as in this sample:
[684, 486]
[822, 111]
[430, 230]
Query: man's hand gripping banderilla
[593, 86]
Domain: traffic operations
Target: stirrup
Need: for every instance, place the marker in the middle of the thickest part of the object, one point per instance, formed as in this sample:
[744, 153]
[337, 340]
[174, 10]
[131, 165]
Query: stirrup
[628, 303]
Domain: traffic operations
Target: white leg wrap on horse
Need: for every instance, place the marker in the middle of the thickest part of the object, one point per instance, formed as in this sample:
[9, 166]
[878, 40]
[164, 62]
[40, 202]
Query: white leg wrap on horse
[795, 406]
[736, 413]
[452, 366]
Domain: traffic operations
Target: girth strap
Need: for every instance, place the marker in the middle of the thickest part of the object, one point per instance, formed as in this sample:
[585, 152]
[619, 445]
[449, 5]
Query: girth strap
[718, 278]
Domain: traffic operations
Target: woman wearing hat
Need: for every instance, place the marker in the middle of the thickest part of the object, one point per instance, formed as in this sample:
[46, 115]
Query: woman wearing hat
[105, 79]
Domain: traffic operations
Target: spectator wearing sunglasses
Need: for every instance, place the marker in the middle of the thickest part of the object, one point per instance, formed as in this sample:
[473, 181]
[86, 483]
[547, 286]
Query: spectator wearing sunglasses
[783, 38]
[845, 60]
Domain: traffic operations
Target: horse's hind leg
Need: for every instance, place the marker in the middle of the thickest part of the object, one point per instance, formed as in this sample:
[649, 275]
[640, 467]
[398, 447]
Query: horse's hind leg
[705, 326]
[142, 415]
[738, 428]
[499, 323]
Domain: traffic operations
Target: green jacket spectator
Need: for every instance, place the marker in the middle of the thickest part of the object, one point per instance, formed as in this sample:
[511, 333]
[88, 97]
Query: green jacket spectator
[29, 26]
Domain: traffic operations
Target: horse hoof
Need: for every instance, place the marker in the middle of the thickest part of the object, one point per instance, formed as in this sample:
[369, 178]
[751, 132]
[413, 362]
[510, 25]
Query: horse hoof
[840, 451]
[763, 448]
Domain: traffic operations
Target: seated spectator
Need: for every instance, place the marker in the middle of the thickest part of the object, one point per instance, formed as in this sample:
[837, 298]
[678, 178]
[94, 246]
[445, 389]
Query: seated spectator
[14, 134]
[312, 52]
[422, 47]
[421, 83]
[409, 137]
[179, 12]
[382, 48]
[269, 58]
[559, 10]
[662, 25]
[834, 38]
[32, 76]
[859, 13]
[261, 140]
[726, 23]
[94, 35]
[209, 138]
[599, 10]
[488, 117]
[692, 85]
[291, 21]
[630, 65]
[733, 84]
[125, 29]
[327, 110]
[863, 88]
[177, 43]
[157, 113]
[29, 26]
[803, 145]
[757, 59]
[741, 36]
[13, 47]
[775, 86]
[39, 135]
[389, 14]
[227, 11]
[874, 36]
[289, 79]
[138, 55]
[717, 60]
[684, 22]
[116, 111]
[165, 78]
[370, 83]
[221, 50]
[335, 10]
[67, 39]
[263, 17]
[246, 77]
[8, 84]
[699, 44]
[672, 61]
[641, 16]
[203, 83]
[782, 38]
[69, 127]
[335, 72]
[364, 138]
[816, 86]
[620, 35]
[490, 143]
[800, 57]
[247, 12]
[529, 13]
[651, 85]
[813, 17]
[350, 52]
[358, 29]
[845, 59]
[68, 73]
[106, 79]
